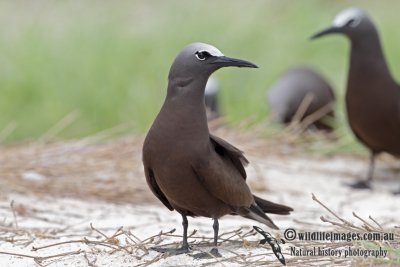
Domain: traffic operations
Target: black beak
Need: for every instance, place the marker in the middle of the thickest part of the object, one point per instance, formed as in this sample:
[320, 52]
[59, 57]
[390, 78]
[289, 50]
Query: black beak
[232, 62]
[330, 30]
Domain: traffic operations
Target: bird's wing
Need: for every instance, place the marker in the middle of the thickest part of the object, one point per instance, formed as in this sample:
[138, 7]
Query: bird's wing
[224, 149]
[151, 181]
[223, 181]
[222, 173]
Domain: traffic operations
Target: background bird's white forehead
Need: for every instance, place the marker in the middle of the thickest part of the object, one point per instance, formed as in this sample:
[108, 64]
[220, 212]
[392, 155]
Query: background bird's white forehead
[343, 17]
[212, 86]
[212, 50]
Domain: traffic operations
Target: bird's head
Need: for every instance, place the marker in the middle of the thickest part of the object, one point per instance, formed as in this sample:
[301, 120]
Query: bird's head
[352, 22]
[201, 60]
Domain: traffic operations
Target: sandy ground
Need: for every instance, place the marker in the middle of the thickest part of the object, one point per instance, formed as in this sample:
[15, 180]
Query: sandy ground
[95, 232]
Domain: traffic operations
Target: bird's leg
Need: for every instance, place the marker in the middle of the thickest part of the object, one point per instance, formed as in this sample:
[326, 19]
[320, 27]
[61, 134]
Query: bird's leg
[366, 184]
[185, 245]
[214, 251]
[216, 229]
[185, 224]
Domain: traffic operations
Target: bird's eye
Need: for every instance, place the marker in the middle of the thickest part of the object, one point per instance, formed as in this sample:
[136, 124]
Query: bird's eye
[202, 55]
[353, 23]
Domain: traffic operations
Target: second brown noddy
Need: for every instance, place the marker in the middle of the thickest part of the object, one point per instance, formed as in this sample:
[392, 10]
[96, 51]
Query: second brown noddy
[187, 168]
[372, 95]
[302, 87]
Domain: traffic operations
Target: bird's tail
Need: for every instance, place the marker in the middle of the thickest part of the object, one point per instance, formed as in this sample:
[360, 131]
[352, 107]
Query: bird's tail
[261, 206]
[271, 207]
[255, 213]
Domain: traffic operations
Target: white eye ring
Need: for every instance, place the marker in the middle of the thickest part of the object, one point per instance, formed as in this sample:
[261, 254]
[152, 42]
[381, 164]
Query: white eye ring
[202, 55]
[354, 23]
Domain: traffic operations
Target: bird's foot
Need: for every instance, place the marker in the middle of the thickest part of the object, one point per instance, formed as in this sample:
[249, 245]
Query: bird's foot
[173, 251]
[214, 253]
[397, 192]
[360, 185]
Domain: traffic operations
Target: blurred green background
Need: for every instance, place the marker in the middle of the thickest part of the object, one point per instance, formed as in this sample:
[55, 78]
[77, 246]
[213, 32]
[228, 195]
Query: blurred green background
[93, 65]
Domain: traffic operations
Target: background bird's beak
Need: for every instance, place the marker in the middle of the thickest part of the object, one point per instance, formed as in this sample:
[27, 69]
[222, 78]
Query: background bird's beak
[330, 30]
[232, 62]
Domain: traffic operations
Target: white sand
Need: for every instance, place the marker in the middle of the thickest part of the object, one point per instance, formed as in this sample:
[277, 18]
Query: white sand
[289, 181]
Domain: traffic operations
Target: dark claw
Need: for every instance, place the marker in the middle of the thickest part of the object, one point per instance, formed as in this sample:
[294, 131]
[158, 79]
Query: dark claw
[214, 253]
[172, 251]
[396, 193]
[360, 185]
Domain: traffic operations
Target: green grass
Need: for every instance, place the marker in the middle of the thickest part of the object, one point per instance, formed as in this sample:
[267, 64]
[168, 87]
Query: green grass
[109, 60]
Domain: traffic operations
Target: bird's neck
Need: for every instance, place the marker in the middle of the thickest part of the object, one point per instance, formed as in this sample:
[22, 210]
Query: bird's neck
[367, 60]
[187, 88]
[185, 108]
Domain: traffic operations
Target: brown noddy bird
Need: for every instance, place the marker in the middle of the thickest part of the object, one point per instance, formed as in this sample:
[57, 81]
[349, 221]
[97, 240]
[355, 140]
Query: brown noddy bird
[291, 90]
[187, 168]
[372, 95]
